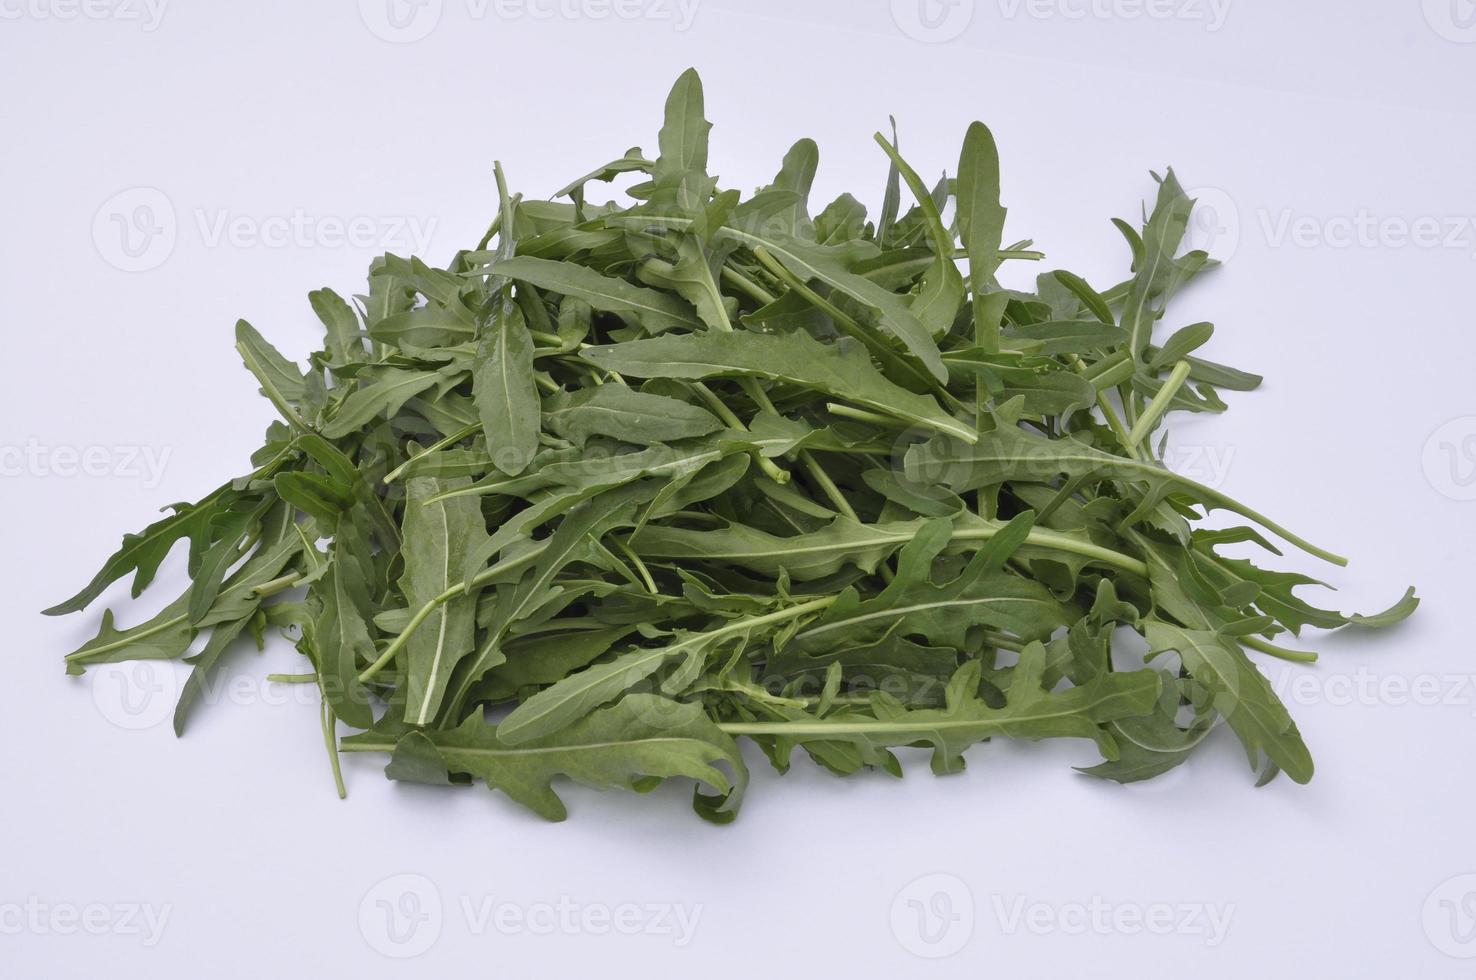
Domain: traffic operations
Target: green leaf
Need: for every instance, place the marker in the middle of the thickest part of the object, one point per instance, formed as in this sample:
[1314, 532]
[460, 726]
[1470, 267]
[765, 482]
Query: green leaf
[282, 382]
[556, 707]
[1157, 272]
[980, 595]
[1011, 453]
[1242, 695]
[683, 138]
[321, 497]
[625, 746]
[142, 553]
[831, 265]
[941, 292]
[803, 556]
[341, 629]
[503, 389]
[1183, 342]
[575, 538]
[618, 412]
[648, 308]
[344, 342]
[387, 391]
[841, 370]
[438, 536]
[1030, 712]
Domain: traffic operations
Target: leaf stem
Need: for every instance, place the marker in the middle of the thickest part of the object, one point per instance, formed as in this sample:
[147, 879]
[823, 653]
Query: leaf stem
[641, 568]
[735, 278]
[481, 578]
[721, 410]
[1282, 653]
[1160, 403]
[279, 584]
[330, 739]
[862, 415]
[435, 447]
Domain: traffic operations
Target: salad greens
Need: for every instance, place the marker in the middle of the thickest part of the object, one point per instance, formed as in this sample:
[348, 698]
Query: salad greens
[626, 483]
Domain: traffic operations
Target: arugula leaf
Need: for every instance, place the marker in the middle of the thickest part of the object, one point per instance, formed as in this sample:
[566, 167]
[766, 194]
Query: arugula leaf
[653, 310]
[633, 744]
[618, 412]
[841, 369]
[438, 535]
[282, 382]
[981, 227]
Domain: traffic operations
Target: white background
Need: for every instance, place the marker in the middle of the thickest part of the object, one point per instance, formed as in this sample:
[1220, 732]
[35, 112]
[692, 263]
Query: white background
[1294, 121]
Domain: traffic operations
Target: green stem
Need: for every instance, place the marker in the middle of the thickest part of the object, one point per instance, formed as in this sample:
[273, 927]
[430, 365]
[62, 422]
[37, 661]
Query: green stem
[276, 585]
[292, 678]
[434, 447]
[807, 459]
[1295, 656]
[1114, 422]
[481, 578]
[331, 740]
[1029, 254]
[641, 568]
[737, 279]
[721, 410]
[862, 415]
[1159, 404]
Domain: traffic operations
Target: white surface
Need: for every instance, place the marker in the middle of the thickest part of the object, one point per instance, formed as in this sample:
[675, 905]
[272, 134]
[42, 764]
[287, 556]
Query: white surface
[1315, 112]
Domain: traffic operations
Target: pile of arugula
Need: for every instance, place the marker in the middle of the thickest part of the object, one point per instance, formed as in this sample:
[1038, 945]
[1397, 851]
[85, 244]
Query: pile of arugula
[658, 476]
